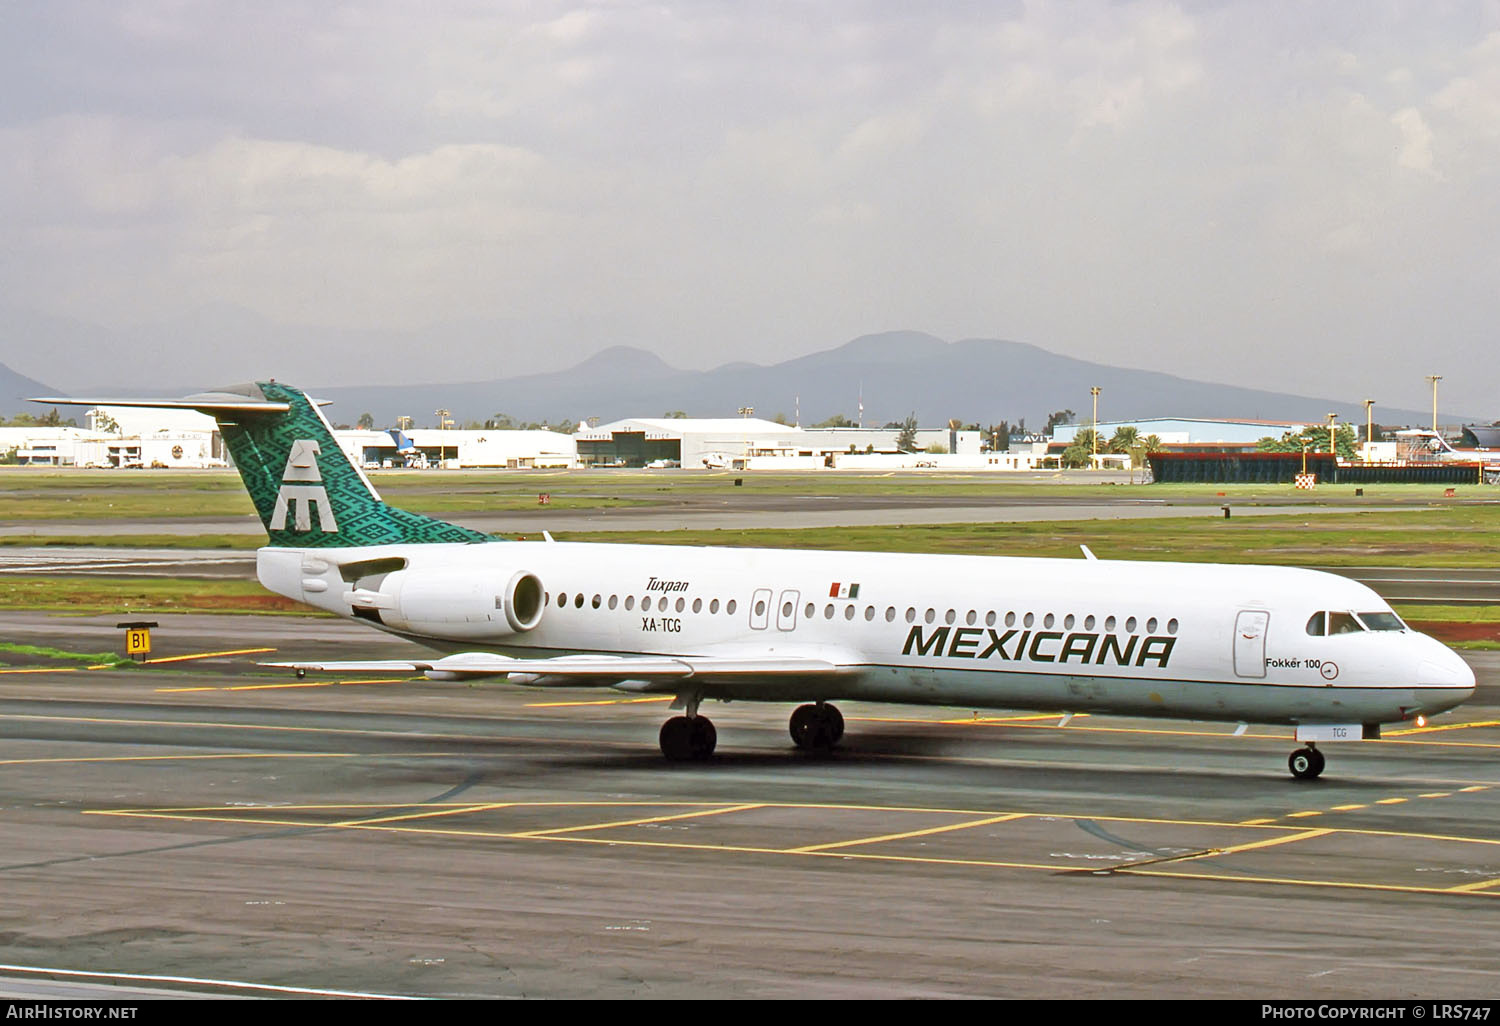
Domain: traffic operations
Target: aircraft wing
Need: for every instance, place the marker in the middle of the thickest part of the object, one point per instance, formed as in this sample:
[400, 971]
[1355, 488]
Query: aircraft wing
[576, 670]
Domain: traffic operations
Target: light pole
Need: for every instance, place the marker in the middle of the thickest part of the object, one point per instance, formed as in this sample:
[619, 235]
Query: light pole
[1434, 379]
[443, 422]
[1095, 393]
[1369, 427]
[1332, 449]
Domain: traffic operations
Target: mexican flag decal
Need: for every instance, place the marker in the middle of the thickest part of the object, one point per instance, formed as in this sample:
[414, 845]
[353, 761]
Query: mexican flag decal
[847, 591]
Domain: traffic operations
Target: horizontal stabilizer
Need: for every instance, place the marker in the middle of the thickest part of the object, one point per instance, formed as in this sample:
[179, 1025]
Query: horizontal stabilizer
[205, 402]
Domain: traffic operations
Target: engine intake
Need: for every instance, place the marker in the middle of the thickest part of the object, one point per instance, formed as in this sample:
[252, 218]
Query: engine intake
[524, 602]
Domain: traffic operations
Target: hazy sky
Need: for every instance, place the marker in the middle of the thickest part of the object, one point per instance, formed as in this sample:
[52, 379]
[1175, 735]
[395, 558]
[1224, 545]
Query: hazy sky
[1291, 195]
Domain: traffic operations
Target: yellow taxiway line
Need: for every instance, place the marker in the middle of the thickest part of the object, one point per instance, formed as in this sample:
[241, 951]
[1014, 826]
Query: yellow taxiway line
[811, 848]
[586, 833]
[206, 655]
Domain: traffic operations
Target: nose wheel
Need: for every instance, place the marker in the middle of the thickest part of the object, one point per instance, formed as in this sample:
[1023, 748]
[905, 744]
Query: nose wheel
[817, 728]
[1305, 763]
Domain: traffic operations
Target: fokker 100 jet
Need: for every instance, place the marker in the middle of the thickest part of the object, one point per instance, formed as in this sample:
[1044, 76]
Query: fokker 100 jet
[1246, 644]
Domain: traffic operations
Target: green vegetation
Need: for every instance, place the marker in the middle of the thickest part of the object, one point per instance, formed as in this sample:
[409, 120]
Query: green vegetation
[1312, 439]
[137, 541]
[1454, 537]
[138, 595]
[92, 658]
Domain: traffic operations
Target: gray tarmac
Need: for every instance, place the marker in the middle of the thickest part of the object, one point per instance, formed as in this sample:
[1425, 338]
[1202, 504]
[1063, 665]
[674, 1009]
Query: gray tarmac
[205, 819]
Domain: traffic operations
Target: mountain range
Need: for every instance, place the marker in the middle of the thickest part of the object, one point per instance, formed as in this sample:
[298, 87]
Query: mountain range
[896, 373]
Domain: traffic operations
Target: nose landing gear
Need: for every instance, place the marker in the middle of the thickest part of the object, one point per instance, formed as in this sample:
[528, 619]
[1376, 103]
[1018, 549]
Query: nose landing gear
[1305, 763]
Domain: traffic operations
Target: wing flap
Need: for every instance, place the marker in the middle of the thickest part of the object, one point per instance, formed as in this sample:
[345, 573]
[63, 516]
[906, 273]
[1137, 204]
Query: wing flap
[577, 670]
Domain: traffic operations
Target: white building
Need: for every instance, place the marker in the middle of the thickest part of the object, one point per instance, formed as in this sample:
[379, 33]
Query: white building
[431, 447]
[120, 436]
[751, 443]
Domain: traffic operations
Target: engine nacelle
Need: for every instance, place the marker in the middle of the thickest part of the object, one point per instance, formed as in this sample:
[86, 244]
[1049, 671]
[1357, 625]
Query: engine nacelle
[453, 604]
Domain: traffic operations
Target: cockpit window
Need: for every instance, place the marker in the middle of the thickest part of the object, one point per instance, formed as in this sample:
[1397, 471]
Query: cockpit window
[1317, 624]
[1382, 621]
[1343, 623]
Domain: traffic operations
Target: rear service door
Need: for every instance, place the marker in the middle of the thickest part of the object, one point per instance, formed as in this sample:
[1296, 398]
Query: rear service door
[1250, 642]
[760, 609]
[786, 610]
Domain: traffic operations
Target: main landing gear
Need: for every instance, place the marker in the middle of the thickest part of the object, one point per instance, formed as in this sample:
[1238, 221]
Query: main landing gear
[817, 728]
[688, 737]
[1305, 763]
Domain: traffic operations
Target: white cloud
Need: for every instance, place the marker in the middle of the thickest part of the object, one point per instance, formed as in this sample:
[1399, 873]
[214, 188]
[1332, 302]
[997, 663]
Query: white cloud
[1183, 183]
[1416, 141]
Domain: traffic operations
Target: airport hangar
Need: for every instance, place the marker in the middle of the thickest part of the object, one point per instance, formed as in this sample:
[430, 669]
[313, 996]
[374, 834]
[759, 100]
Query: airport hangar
[751, 443]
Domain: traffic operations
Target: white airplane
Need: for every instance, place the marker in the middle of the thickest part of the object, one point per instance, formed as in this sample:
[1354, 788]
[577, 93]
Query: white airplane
[1246, 644]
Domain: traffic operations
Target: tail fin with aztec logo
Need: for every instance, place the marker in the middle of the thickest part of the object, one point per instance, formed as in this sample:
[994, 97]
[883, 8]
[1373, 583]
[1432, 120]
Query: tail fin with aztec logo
[306, 490]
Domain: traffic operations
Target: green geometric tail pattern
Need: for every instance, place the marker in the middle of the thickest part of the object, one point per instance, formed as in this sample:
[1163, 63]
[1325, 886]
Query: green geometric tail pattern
[307, 492]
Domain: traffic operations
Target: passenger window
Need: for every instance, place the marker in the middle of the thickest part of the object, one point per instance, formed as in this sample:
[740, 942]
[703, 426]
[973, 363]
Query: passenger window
[646, 604]
[730, 606]
[828, 611]
[760, 608]
[681, 604]
[697, 605]
[890, 614]
[598, 601]
[578, 601]
[972, 618]
[713, 606]
[931, 615]
[629, 602]
[614, 600]
[950, 616]
[1317, 624]
[869, 612]
[848, 612]
[1068, 622]
[911, 615]
[807, 614]
[989, 618]
[562, 599]
[1343, 623]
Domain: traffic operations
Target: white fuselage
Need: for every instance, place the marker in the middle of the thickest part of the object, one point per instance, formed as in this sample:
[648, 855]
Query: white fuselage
[1193, 641]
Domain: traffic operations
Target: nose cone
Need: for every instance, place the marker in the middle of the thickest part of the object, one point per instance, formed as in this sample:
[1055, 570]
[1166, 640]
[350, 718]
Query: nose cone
[1445, 678]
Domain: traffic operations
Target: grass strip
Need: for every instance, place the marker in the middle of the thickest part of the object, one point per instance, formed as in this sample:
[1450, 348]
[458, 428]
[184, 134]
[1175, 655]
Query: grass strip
[1467, 536]
[91, 658]
[135, 596]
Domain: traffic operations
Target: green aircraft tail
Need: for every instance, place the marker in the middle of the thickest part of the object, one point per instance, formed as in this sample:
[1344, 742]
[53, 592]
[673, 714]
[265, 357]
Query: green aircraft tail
[306, 490]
